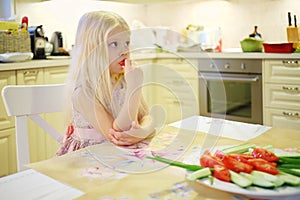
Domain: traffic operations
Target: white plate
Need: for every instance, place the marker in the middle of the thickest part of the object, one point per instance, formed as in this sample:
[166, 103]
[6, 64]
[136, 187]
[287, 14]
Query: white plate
[284, 192]
[58, 57]
[16, 56]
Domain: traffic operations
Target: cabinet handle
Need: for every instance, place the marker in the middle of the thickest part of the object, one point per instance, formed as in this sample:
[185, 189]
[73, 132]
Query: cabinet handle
[290, 63]
[30, 72]
[290, 114]
[290, 88]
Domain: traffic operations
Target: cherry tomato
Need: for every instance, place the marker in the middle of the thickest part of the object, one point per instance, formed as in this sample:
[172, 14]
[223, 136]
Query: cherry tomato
[264, 154]
[235, 165]
[220, 154]
[242, 157]
[221, 173]
[263, 165]
[208, 160]
[258, 161]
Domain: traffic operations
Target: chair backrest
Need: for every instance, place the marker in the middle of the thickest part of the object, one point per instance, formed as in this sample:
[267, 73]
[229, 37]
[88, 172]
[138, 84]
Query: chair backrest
[24, 101]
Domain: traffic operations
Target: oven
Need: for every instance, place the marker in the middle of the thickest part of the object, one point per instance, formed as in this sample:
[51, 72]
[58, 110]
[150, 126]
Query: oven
[231, 89]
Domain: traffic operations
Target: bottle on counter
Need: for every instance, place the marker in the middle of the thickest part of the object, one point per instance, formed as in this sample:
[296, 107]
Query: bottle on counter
[255, 33]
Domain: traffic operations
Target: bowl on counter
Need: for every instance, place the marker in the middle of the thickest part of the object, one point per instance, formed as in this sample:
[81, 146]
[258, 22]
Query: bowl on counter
[278, 47]
[251, 44]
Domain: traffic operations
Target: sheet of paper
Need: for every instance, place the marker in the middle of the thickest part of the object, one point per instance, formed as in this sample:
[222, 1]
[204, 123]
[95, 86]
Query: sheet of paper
[229, 129]
[30, 184]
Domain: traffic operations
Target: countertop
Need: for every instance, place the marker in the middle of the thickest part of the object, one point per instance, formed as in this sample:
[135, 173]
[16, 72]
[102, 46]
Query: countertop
[152, 55]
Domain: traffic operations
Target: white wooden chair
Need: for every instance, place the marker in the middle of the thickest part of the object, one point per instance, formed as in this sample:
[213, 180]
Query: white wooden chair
[24, 101]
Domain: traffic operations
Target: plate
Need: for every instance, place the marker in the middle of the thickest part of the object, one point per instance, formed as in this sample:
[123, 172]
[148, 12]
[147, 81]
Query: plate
[58, 57]
[16, 56]
[284, 192]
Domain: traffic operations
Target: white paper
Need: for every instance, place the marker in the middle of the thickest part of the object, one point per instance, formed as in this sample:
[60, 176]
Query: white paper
[30, 184]
[220, 127]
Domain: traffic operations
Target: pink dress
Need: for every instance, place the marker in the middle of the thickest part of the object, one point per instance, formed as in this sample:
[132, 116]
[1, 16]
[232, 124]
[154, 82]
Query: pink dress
[81, 134]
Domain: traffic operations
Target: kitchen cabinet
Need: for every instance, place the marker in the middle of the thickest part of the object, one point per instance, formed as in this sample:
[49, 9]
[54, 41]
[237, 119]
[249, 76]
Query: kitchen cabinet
[41, 145]
[172, 88]
[282, 93]
[7, 131]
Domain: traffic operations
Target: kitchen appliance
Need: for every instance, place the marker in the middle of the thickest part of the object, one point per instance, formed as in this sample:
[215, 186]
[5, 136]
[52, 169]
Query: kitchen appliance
[57, 42]
[231, 89]
[37, 41]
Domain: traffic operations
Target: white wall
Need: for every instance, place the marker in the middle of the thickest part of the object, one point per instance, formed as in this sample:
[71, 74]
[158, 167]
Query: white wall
[58, 15]
[235, 17]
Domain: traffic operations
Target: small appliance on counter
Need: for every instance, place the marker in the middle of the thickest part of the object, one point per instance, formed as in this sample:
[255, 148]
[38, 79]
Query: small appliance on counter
[57, 42]
[37, 41]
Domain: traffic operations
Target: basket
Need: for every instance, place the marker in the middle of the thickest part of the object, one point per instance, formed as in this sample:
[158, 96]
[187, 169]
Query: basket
[251, 45]
[14, 42]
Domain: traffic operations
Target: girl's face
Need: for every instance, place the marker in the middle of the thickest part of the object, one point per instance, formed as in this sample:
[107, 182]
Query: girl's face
[118, 50]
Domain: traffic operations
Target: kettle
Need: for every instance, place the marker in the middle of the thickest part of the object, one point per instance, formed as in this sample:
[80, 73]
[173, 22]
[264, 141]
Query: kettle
[57, 42]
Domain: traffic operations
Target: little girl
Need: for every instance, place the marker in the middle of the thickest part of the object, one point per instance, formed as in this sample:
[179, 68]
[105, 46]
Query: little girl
[105, 87]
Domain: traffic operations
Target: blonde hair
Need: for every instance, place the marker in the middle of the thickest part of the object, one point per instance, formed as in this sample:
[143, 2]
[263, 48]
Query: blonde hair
[89, 67]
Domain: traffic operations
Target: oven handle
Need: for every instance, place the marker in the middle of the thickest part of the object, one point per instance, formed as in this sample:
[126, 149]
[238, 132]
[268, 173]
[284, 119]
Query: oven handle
[230, 78]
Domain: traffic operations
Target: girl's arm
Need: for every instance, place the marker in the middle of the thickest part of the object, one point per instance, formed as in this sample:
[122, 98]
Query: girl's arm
[129, 110]
[93, 112]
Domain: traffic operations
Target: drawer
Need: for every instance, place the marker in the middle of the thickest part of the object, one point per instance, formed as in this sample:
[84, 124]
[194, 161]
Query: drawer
[171, 91]
[282, 118]
[178, 110]
[282, 96]
[282, 71]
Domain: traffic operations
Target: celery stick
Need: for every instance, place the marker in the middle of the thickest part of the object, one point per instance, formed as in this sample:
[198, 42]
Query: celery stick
[289, 171]
[239, 179]
[239, 148]
[201, 173]
[258, 181]
[289, 178]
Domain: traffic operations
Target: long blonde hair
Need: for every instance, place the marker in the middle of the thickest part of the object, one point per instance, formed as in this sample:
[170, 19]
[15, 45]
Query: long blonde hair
[89, 67]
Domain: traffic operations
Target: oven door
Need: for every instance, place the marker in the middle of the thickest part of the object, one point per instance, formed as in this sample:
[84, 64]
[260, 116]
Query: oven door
[231, 96]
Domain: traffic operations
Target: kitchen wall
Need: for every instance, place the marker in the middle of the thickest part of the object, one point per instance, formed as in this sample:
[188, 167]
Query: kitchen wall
[236, 18]
[58, 15]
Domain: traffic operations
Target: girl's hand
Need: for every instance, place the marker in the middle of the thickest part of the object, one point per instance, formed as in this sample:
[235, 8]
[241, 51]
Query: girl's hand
[125, 138]
[133, 74]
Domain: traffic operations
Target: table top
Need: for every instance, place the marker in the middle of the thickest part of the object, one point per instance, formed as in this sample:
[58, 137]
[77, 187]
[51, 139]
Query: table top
[104, 171]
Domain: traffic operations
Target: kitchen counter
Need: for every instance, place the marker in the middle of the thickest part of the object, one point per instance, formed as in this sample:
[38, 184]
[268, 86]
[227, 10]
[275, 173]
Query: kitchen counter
[35, 64]
[153, 55]
[204, 55]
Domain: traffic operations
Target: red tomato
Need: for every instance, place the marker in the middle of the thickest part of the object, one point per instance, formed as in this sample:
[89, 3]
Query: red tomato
[257, 161]
[263, 165]
[264, 154]
[219, 154]
[221, 173]
[235, 165]
[208, 160]
[242, 157]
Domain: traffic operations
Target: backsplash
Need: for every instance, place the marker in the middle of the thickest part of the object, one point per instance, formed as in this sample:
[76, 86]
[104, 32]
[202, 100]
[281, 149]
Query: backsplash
[236, 18]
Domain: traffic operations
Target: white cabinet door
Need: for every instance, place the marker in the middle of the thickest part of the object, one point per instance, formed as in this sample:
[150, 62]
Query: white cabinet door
[282, 118]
